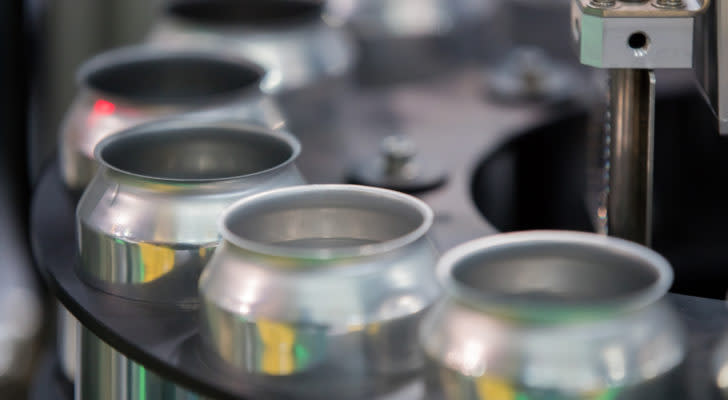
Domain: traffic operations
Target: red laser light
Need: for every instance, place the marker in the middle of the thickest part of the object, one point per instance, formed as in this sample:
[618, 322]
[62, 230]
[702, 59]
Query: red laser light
[104, 107]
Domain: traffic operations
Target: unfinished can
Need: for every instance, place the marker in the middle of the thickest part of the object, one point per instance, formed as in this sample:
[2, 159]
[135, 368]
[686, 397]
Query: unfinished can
[319, 289]
[147, 223]
[122, 88]
[548, 314]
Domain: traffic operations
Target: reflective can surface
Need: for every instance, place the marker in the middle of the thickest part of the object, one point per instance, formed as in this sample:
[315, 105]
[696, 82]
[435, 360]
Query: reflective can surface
[320, 289]
[146, 222]
[307, 58]
[291, 39]
[547, 314]
[122, 88]
[106, 374]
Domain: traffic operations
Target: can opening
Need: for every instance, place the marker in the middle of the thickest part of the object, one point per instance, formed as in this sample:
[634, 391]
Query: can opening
[194, 154]
[581, 271]
[246, 12]
[326, 221]
[172, 78]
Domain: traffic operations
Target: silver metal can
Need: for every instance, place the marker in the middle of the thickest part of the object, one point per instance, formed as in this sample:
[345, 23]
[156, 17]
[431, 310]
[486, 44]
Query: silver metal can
[548, 314]
[122, 88]
[125, 87]
[320, 289]
[291, 39]
[146, 222]
[309, 61]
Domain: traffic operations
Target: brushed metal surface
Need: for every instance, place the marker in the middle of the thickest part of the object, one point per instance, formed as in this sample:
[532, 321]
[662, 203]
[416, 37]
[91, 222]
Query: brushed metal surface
[146, 223]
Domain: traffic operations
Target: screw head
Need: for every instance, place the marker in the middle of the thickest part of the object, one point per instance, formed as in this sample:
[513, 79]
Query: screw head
[669, 4]
[603, 3]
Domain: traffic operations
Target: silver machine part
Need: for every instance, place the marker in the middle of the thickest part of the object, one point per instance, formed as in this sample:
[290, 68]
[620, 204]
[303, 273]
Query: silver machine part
[631, 38]
[146, 222]
[720, 365]
[67, 340]
[563, 314]
[318, 290]
[104, 373]
[630, 133]
[307, 56]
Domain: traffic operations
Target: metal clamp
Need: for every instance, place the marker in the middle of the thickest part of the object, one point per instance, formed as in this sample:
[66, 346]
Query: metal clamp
[636, 34]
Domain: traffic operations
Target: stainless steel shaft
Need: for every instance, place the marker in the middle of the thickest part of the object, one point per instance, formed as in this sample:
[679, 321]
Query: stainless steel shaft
[106, 374]
[630, 140]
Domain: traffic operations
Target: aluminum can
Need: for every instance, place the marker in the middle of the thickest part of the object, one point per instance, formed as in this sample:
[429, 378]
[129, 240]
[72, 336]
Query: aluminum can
[122, 88]
[308, 58]
[146, 224]
[106, 374]
[318, 290]
[125, 87]
[549, 314]
[147, 221]
[290, 38]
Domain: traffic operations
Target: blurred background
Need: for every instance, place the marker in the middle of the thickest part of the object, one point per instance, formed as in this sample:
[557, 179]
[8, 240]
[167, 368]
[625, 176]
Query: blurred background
[425, 72]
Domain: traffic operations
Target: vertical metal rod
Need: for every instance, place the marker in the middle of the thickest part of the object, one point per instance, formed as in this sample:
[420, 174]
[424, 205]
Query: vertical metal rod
[631, 131]
[105, 374]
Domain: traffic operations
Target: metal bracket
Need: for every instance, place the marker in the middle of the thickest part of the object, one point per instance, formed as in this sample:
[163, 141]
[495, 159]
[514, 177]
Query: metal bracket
[644, 34]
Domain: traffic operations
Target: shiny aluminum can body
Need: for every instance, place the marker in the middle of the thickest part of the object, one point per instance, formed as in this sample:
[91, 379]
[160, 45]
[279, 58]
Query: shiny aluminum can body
[125, 87]
[308, 60]
[319, 289]
[291, 39]
[548, 314]
[122, 88]
[146, 223]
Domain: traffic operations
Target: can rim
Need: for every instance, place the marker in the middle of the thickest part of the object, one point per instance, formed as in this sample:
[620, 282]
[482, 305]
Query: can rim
[292, 192]
[177, 11]
[513, 305]
[150, 53]
[171, 125]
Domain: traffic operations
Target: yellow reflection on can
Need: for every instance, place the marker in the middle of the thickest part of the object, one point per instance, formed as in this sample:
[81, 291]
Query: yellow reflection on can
[492, 388]
[156, 261]
[278, 341]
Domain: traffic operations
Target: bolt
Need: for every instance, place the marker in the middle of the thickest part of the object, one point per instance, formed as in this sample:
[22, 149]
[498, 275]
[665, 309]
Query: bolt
[603, 3]
[669, 4]
[397, 150]
[531, 66]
